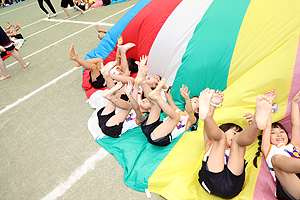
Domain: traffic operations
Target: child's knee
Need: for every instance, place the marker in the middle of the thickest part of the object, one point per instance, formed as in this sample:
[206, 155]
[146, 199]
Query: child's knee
[274, 160]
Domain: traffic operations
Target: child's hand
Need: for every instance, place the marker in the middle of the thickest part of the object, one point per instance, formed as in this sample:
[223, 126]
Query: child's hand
[271, 95]
[248, 117]
[128, 88]
[297, 97]
[143, 60]
[120, 40]
[184, 92]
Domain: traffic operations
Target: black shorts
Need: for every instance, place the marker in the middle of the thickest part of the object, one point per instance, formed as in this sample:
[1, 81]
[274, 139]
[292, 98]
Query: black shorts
[64, 3]
[148, 129]
[281, 193]
[112, 131]
[99, 83]
[223, 184]
[106, 2]
[5, 41]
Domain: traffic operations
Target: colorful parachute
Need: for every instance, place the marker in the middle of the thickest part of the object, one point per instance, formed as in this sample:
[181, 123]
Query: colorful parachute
[243, 48]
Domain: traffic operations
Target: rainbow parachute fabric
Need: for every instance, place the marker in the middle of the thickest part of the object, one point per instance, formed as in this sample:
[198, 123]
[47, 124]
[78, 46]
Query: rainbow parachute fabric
[241, 47]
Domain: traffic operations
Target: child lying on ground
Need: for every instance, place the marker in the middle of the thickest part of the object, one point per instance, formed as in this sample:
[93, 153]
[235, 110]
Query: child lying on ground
[113, 124]
[158, 132]
[223, 174]
[282, 154]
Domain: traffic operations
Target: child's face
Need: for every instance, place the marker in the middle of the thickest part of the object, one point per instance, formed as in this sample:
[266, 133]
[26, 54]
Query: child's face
[153, 81]
[195, 104]
[230, 134]
[145, 104]
[278, 136]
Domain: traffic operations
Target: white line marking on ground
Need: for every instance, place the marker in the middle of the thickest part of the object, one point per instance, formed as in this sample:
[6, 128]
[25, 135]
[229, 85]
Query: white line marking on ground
[88, 165]
[17, 9]
[36, 91]
[67, 37]
[76, 22]
[43, 30]
[37, 21]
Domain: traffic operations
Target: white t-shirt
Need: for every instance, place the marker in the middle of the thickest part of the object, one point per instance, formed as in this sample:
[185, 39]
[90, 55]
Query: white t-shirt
[182, 124]
[226, 156]
[288, 150]
[130, 122]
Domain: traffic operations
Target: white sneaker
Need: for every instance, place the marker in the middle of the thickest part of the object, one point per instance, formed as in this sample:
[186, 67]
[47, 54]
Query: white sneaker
[48, 15]
[54, 15]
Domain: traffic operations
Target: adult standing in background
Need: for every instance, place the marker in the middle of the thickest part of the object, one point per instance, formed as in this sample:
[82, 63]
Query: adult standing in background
[48, 2]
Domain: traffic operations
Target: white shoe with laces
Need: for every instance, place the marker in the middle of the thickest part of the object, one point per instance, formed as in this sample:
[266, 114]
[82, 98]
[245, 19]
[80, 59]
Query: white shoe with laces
[54, 15]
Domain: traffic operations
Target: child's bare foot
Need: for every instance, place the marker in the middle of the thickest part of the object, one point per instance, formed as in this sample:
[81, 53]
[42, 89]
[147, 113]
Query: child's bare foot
[100, 37]
[26, 64]
[72, 55]
[141, 75]
[67, 17]
[217, 97]
[262, 112]
[105, 71]
[109, 93]
[81, 12]
[270, 95]
[204, 105]
[125, 47]
[156, 93]
[10, 24]
[4, 77]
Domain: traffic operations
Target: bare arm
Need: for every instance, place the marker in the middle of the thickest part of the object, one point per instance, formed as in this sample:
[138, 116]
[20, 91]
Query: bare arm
[266, 134]
[134, 104]
[170, 100]
[188, 106]
[295, 120]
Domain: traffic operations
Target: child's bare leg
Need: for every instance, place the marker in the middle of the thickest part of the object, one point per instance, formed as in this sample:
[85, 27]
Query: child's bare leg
[17, 27]
[81, 62]
[77, 8]
[3, 70]
[124, 64]
[66, 11]
[122, 78]
[215, 162]
[113, 95]
[204, 105]
[100, 37]
[94, 67]
[98, 29]
[263, 110]
[141, 80]
[286, 169]
[248, 135]
[169, 124]
[8, 27]
[105, 71]
[18, 57]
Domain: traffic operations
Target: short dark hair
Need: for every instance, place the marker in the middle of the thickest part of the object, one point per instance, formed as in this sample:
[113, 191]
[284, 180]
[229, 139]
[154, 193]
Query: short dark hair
[278, 125]
[227, 126]
[133, 67]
